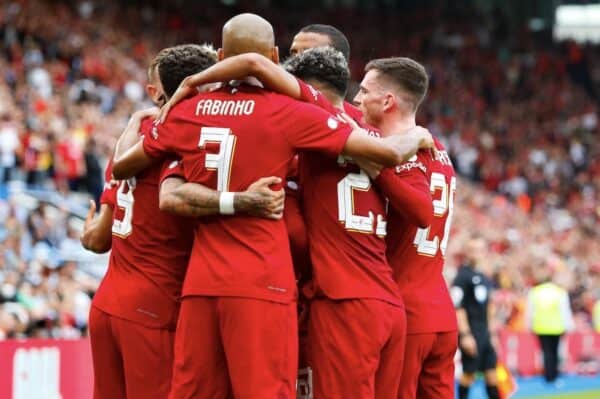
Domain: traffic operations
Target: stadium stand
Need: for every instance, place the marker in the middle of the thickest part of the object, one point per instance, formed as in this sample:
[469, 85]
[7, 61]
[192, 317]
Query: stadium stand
[518, 113]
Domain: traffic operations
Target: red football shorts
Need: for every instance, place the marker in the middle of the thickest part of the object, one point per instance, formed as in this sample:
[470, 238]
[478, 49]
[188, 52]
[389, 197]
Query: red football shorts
[429, 366]
[235, 347]
[356, 348]
[130, 360]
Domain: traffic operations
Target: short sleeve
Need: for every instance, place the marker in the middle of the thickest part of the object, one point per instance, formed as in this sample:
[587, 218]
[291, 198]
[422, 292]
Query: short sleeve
[308, 127]
[109, 193]
[172, 168]
[352, 111]
[157, 138]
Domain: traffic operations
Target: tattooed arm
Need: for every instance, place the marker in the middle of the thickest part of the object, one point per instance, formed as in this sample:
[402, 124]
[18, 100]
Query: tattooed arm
[195, 200]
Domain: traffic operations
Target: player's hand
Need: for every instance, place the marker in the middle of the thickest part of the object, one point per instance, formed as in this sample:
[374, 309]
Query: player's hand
[348, 119]
[372, 169]
[90, 216]
[468, 344]
[266, 202]
[185, 90]
[425, 140]
[424, 136]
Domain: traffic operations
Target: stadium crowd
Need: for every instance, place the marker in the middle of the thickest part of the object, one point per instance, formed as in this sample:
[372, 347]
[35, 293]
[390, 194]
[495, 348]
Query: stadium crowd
[519, 118]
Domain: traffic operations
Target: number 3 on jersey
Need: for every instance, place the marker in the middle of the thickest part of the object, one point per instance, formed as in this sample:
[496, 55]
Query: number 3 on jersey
[442, 206]
[221, 162]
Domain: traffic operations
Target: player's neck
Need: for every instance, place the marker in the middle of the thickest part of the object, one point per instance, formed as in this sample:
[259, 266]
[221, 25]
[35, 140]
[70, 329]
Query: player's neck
[397, 124]
[335, 100]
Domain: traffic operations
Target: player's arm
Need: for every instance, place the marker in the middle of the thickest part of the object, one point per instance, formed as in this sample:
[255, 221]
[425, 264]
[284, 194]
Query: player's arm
[132, 162]
[310, 128]
[195, 200]
[389, 151]
[240, 66]
[97, 230]
[408, 194]
[130, 158]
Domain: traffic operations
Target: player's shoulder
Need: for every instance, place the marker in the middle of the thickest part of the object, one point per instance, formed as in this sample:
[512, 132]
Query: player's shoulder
[438, 144]
[419, 161]
[353, 111]
[440, 159]
[371, 130]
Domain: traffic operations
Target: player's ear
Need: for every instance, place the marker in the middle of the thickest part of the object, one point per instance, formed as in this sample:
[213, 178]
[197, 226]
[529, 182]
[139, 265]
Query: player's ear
[220, 54]
[275, 54]
[389, 102]
[152, 91]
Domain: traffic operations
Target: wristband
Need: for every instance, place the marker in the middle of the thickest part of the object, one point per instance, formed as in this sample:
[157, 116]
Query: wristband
[226, 203]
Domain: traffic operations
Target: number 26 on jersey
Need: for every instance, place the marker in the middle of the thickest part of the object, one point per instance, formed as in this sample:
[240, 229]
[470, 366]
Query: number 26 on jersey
[428, 242]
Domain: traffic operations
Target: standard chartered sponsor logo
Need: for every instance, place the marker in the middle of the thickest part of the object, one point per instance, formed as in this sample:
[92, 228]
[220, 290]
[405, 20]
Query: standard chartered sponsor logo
[36, 373]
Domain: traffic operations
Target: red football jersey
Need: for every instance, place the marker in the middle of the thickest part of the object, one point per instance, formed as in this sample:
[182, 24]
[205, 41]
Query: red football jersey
[109, 192]
[227, 139]
[417, 254]
[353, 111]
[150, 252]
[345, 218]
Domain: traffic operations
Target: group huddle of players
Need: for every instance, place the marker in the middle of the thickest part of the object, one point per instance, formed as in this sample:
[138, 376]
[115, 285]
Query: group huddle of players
[240, 200]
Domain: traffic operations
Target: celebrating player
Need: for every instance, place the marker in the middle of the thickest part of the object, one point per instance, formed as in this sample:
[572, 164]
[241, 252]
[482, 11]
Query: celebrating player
[418, 228]
[357, 324]
[240, 275]
[134, 311]
[327, 69]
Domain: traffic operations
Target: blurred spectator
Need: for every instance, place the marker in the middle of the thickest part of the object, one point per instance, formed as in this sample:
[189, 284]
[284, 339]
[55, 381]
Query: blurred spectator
[9, 146]
[550, 316]
[94, 177]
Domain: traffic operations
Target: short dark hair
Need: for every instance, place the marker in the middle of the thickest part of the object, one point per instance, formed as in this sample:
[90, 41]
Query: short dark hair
[324, 64]
[176, 63]
[338, 40]
[407, 74]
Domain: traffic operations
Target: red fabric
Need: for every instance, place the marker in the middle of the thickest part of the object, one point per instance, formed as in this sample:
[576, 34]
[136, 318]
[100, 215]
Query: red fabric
[353, 111]
[173, 168]
[130, 360]
[356, 348]
[408, 193]
[235, 347]
[358, 267]
[71, 156]
[143, 281]
[267, 136]
[429, 366]
[298, 237]
[419, 275]
[109, 193]
[38, 368]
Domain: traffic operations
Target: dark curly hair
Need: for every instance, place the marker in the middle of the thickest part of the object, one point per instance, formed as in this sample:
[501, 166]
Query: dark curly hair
[176, 63]
[325, 65]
